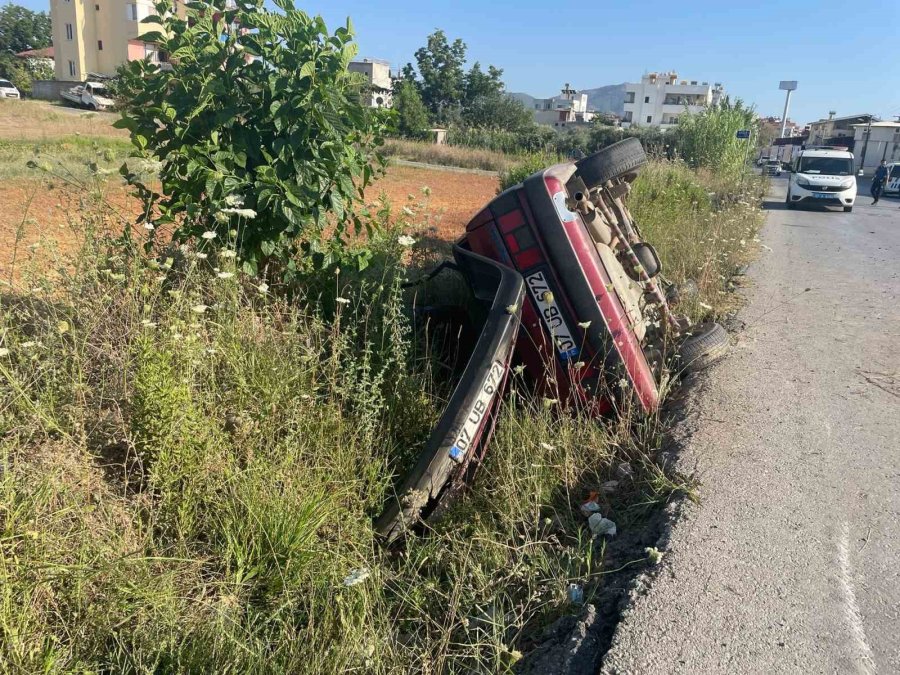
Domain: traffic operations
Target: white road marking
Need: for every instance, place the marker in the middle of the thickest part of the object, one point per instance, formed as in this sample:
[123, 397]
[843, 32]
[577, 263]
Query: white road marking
[851, 607]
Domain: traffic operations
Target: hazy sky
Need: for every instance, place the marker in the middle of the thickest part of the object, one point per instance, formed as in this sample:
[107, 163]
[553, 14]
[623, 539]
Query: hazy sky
[844, 54]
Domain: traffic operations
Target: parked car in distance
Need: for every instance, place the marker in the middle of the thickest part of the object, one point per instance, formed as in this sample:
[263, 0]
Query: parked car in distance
[772, 168]
[823, 177]
[762, 161]
[8, 90]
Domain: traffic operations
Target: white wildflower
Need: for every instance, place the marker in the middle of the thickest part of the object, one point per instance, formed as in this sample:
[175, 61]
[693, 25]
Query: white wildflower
[584, 324]
[518, 370]
[550, 402]
[408, 211]
[149, 226]
[209, 234]
[623, 384]
[356, 577]
[342, 301]
[202, 256]
[405, 240]
[547, 446]
[241, 213]
[4, 351]
[199, 309]
[29, 344]
[225, 275]
[228, 253]
[578, 365]
[705, 306]
[263, 287]
[147, 323]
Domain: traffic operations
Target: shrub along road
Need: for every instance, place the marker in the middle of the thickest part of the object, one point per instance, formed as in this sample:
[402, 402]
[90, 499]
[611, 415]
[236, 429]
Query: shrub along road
[792, 562]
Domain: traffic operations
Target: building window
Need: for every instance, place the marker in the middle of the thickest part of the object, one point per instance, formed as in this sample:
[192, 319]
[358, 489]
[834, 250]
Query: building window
[131, 12]
[646, 99]
[629, 97]
[69, 31]
[99, 45]
[97, 7]
[649, 119]
[72, 68]
[627, 117]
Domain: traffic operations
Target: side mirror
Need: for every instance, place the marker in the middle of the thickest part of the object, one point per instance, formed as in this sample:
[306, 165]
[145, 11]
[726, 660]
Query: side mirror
[860, 173]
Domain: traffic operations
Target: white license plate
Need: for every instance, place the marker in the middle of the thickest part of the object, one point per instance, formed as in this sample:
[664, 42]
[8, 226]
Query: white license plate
[823, 195]
[543, 297]
[466, 435]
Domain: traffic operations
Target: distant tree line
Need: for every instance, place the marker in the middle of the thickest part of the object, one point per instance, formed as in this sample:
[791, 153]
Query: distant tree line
[20, 30]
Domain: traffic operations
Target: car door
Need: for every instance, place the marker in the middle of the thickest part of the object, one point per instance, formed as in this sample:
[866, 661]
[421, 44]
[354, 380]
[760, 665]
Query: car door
[893, 181]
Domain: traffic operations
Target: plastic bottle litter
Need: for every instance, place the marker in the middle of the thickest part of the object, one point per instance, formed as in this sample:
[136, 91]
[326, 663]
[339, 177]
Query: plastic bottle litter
[609, 486]
[602, 526]
[576, 594]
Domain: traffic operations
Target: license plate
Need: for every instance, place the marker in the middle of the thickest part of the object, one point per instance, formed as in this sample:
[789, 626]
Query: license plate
[542, 294]
[469, 432]
[822, 195]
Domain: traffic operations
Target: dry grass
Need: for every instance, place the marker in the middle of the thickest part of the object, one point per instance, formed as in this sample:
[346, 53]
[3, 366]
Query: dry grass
[26, 120]
[448, 155]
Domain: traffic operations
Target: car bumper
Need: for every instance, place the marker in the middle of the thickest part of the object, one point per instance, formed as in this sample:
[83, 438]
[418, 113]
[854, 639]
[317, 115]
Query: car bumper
[11, 95]
[825, 198]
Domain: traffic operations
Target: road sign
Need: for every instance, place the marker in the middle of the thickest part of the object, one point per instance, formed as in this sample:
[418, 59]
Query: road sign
[743, 133]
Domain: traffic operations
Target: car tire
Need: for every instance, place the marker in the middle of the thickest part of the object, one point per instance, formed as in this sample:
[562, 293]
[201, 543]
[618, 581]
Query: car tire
[705, 344]
[614, 161]
[788, 204]
[848, 209]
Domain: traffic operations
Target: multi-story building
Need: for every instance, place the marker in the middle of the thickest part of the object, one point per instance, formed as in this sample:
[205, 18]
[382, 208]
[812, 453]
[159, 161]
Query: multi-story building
[659, 98]
[97, 36]
[830, 131]
[568, 109]
[875, 142]
[378, 75]
[772, 127]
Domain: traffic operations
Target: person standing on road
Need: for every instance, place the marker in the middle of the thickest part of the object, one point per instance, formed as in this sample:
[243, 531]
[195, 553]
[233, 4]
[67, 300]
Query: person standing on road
[878, 181]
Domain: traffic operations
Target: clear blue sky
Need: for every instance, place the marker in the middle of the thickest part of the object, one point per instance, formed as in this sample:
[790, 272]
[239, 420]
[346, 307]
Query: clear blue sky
[844, 54]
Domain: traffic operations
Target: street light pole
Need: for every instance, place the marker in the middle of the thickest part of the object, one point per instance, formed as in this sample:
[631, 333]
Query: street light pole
[788, 86]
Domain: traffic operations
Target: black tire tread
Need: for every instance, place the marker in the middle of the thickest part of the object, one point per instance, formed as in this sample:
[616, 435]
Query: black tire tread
[706, 344]
[620, 158]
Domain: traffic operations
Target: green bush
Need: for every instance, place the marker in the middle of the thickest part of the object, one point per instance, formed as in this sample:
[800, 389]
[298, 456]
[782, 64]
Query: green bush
[519, 172]
[257, 129]
[708, 138]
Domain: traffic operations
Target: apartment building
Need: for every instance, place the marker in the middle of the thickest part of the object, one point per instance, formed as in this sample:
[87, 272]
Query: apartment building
[378, 75]
[97, 36]
[567, 109]
[830, 131]
[659, 98]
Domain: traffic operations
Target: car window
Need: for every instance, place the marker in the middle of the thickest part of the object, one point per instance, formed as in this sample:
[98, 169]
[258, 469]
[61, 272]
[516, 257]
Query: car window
[826, 166]
[895, 171]
[6, 84]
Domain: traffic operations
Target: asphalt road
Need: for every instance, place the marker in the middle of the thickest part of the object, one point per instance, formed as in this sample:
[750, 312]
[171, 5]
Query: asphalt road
[791, 564]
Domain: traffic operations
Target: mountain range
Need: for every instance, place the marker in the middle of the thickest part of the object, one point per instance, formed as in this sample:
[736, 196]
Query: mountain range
[610, 98]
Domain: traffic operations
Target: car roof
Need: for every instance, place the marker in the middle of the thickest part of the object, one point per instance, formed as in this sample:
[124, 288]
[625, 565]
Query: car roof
[826, 153]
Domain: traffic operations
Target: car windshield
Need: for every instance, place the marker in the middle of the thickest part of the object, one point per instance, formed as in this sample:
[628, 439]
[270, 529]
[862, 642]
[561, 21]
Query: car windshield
[826, 166]
[6, 84]
[99, 91]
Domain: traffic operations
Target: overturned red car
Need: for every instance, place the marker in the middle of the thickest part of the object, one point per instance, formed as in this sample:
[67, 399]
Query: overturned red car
[575, 296]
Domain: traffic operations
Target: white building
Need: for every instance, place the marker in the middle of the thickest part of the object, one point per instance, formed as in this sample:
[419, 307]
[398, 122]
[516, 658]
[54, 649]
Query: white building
[659, 98]
[568, 109]
[883, 144]
[378, 75]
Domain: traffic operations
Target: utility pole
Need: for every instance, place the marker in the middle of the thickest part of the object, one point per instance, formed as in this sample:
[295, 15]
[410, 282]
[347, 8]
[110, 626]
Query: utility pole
[788, 86]
[868, 132]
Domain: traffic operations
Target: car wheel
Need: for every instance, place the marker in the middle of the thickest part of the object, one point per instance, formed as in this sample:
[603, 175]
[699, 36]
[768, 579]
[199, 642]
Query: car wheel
[614, 161]
[705, 344]
[848, 209]
[92, 107]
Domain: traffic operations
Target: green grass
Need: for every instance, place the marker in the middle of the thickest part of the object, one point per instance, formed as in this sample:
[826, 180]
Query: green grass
[448, 155]
[189, 469]
[70, 157]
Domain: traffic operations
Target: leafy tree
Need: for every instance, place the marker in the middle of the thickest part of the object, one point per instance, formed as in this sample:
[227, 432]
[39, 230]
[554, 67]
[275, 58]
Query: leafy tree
[481, 85]
[22, 29]
[442, 84]
[410, 111]
[22, 72]
[498, 111]
[257, 129]
[707, 138]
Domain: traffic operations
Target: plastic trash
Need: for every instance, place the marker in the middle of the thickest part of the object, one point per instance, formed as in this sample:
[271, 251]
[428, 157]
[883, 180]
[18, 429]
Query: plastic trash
[609, 486]
[624, 470]
[576, 594]
[602, 526]
[356, 577]
[589, 508]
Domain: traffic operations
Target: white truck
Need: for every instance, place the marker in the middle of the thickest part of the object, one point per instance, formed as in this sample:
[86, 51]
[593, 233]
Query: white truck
[90, 95]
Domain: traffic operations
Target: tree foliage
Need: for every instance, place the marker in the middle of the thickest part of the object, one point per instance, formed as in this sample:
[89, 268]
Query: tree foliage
[22, 29]
[257, 130]
[22, 72]
[440, 67]
[708, 138]
[410, 112]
